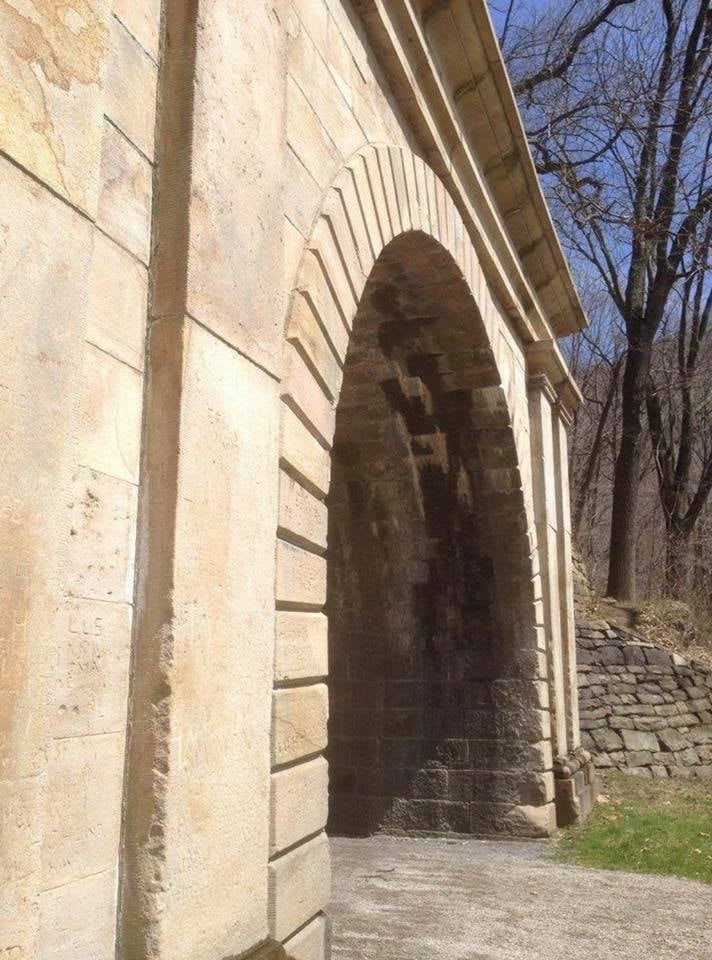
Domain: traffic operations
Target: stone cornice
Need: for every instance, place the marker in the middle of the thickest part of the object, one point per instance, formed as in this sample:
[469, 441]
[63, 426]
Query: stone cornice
[544, 360]
[442, 60]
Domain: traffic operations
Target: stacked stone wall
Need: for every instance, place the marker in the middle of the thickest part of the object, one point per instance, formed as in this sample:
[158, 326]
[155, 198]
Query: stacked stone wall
[643, 710]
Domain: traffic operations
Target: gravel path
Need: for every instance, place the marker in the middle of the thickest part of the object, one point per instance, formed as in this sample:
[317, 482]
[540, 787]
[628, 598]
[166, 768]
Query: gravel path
[482, 900]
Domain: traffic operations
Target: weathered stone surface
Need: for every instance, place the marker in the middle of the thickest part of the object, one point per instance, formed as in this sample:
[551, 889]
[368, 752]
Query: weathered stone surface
[206, 627]
[302, 517]
[300, 646]
[672, 740]
[235, 247]
[299, 803]
[124, 209]
[89, 692]
[310, 943]
[299, 722]
[51, 73]
[257, 117]
[301, 576]
[102, 530]
[607, 740]
[654, 714]
[111, 417]
[142, 19]
[299, 884]
[88, 846]
[40, 363]
[66, 931]
[131, 88]
[117, 302]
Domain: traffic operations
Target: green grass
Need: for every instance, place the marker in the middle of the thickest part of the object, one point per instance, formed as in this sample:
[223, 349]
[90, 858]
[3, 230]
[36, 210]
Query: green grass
[646, 826]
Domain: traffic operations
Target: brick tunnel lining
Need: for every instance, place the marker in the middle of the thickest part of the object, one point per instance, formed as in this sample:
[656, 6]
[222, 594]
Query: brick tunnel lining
[428, 730]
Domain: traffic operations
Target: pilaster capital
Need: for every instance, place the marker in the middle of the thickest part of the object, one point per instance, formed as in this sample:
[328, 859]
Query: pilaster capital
[547, 371]
[539, 381]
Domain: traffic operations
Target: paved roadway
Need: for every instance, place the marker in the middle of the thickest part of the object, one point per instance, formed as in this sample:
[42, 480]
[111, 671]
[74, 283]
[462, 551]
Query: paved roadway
[410, 899]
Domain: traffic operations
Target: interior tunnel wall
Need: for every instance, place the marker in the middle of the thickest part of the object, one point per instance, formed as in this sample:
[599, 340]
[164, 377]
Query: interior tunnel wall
[420, 736]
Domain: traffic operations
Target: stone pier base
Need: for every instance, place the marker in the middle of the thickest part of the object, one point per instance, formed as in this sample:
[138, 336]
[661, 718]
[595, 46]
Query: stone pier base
[576, 785]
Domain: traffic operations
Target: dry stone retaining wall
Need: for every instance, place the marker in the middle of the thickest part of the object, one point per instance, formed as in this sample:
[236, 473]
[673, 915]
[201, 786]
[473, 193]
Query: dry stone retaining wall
[643, 710]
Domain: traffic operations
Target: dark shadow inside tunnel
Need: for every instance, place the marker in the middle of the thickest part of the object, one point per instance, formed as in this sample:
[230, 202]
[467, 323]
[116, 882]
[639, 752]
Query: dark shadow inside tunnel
[423, 736]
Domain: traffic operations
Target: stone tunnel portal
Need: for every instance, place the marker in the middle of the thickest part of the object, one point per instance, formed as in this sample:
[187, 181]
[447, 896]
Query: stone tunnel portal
[429, 725]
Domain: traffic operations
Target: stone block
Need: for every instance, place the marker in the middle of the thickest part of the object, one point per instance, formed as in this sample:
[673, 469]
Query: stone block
[432, 816]
[602, 761]
[117, 302]
[639, 740]
[299, 803]
[102, 531]
[654, 698]
[669, 710]
[300, 388]
[520, 821]
[684, 720]
[81, 830]
[299, 886]
[672, 740]
[90, 671]
[301, 577]
[687, 757]
[592, 724]
[310, 943]
[621, 723]
[633, 655]
[653, 655]
[299, 718]
[651, 723]
[111, 416]
[607, 740]
[124, 209]
[610, 655]
[302, 517]
[300, 645]
[680, 773]
[235, 258]
[701, 734]
[130, 92]
[304, 456]
[67, 929]
[51, 79]
[142, 19]
[638, 758]
[634, 710]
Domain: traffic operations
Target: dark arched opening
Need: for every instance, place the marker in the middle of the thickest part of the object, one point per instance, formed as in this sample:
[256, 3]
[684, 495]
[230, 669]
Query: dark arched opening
[434, 721]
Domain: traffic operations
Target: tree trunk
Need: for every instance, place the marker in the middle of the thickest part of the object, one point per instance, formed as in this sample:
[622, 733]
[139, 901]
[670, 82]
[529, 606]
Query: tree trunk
[595, 454]
[677, 561]
[626, 480]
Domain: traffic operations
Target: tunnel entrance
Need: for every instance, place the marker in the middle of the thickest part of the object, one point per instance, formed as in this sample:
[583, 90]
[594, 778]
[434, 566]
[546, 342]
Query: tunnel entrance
[430, 728]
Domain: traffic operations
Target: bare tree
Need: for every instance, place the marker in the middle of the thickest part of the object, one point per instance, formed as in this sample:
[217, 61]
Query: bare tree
[679, 408]
[617, 102]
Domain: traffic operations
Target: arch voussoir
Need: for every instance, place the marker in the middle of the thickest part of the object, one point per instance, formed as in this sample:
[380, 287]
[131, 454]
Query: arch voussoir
[389, 249]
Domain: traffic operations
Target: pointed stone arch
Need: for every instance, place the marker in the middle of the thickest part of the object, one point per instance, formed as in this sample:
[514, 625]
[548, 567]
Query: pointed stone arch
[388, 220]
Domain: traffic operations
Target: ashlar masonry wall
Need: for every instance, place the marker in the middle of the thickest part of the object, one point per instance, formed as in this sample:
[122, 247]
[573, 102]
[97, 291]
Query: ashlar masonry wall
[644, 710]
[192, 197]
